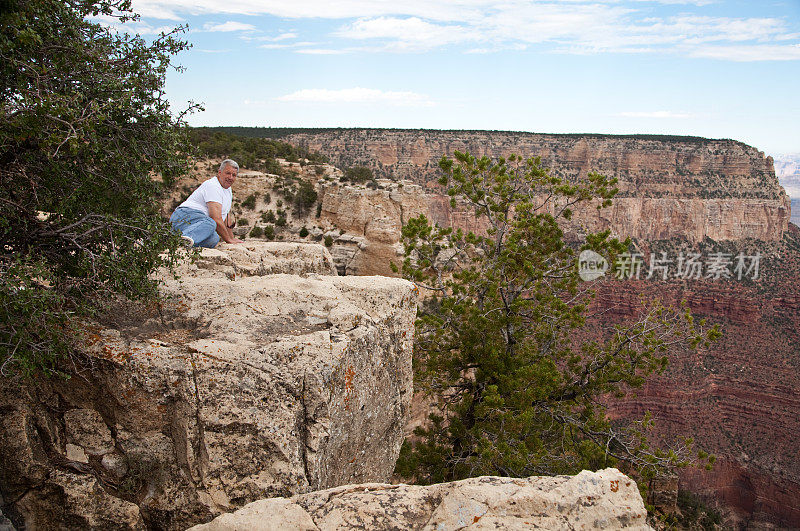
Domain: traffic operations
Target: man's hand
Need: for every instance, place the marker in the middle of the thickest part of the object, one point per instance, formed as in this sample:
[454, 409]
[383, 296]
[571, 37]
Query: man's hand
[215, 211]
[231, 223]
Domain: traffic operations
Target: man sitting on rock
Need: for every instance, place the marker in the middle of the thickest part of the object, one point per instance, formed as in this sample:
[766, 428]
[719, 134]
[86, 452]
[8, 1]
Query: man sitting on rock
[203, 218]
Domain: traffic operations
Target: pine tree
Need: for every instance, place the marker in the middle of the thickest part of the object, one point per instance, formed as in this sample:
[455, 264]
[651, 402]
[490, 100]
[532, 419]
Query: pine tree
[514, 393]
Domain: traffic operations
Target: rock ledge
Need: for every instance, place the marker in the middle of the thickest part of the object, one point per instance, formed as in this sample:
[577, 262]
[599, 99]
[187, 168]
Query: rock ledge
[590, 500]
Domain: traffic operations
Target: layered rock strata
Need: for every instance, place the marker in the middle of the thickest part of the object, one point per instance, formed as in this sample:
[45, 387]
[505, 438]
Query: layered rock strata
[738, 398]
[590, 500]
[259, 386]
[669, 186]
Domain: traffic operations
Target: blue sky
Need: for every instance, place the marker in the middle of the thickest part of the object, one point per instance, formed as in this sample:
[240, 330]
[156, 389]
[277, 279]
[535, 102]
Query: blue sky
[713, 68]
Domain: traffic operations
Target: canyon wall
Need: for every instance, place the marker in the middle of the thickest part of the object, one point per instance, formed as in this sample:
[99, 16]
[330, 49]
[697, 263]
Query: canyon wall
[669, 186]
[737, 398]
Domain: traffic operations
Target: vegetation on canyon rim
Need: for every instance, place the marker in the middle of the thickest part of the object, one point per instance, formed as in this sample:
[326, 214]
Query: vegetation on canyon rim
[85, 125]
[516, 393]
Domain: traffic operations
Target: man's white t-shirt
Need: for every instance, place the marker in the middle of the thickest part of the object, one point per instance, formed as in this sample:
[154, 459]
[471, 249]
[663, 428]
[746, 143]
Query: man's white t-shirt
[210, 190]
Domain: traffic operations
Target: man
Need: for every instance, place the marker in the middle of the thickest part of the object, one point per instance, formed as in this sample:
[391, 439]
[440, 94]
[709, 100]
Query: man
[203, 218]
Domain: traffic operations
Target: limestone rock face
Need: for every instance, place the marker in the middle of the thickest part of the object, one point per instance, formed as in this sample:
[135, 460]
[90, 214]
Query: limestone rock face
[262, 386]
[669, 186]
[371, 220]
[590, 500]
[377, 217]
[258, 259]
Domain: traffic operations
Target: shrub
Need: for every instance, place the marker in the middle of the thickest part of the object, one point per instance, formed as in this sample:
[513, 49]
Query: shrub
[303, 232]
[357, 174]
[242, 222]
[268, 217]
[257, 232]
[281, 221]
[328, 240]
[305, 197]
[269, 232]
[250, 202]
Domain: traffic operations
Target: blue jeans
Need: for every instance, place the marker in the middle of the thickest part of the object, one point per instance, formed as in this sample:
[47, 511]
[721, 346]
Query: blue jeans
[196, 225]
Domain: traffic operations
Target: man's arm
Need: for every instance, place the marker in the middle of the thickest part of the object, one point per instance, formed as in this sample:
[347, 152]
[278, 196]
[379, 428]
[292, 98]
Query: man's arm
[215, 211]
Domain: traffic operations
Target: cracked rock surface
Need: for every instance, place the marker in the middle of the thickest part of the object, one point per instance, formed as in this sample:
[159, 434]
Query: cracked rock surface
[259, 384]
[590, 500]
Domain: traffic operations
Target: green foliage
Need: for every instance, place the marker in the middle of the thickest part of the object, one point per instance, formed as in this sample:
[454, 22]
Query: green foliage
[306, 196]
[328, 240]
[319, 209]
[303, 232]
[517, 393]
[269, 232]
[281, 221]
[693, 514]
[84, 125]
[256, 232]
[280, 132]
[268, 216]
[249, 202]
[357, 174]
[242, 222]
[249, 152]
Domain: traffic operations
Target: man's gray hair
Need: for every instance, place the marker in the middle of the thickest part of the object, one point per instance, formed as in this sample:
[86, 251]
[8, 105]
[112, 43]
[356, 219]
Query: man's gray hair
[229, 162]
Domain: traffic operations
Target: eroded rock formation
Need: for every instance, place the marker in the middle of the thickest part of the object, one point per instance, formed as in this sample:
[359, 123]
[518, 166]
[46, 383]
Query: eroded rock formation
[738, 398]
[669, 186]
[590, 500]
[259, 386]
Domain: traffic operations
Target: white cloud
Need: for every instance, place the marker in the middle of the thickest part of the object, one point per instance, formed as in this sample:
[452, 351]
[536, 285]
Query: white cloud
[406, 34]
[131, 28]
[684, 2]
[341, 9]
[757, 52]
[656, 114]
[283, 46]
[322, 51]
[564, 26]
[359, 95]
[229, 26]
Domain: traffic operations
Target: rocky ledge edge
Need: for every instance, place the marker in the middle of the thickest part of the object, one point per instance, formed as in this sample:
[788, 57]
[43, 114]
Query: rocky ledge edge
[606, 499]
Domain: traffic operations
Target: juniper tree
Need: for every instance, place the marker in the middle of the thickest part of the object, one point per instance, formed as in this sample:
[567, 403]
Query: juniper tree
[84, 129]
[514, 393]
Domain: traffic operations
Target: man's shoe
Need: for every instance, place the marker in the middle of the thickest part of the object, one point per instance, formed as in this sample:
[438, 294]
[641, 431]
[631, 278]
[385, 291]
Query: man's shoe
[187, 241]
